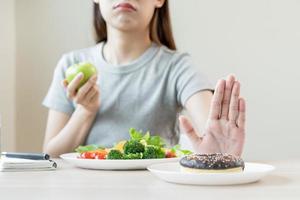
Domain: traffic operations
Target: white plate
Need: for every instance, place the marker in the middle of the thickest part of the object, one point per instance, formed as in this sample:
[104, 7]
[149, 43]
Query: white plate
[113, 164]
[170, 172]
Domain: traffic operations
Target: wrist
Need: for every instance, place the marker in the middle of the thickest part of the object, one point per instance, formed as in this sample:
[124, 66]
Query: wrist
[82, 111]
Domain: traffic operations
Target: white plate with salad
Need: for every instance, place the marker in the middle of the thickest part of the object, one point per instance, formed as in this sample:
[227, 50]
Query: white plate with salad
[139, 152]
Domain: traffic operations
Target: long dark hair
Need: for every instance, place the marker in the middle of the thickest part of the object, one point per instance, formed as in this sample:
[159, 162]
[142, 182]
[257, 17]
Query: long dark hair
[160, 26]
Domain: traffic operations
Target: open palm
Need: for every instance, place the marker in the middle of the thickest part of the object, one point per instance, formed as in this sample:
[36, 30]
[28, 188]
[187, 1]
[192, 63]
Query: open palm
[225, 128]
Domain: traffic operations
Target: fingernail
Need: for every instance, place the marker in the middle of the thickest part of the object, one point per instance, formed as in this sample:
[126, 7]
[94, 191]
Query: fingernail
[64, 83]
[80, 75]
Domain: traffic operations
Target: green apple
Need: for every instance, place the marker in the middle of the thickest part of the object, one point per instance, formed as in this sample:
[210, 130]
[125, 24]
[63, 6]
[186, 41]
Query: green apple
[86, 68]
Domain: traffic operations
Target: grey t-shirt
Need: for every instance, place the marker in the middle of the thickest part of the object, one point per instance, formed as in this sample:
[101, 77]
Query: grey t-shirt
[146, 94]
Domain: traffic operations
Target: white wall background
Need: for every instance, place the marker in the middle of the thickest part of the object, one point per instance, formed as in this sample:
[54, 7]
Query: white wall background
[258, 40]
[45, 30]
[7, 73]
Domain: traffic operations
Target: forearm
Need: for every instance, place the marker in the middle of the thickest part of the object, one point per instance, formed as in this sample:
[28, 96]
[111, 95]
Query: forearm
[72, 135]
[198, 109]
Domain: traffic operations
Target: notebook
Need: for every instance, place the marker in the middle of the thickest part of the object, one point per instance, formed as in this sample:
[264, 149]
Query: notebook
[18, 164]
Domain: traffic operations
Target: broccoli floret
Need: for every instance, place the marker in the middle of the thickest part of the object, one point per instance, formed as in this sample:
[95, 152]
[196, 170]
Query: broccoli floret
[152, 152]
[133, 156]
[115, 155]
[160, 153]
[133, 146]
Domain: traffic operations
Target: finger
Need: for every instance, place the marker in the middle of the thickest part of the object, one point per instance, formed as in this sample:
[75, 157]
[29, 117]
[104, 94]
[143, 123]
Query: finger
[241, 121]
[216, 102]
[64, 83]
[234, 103]
[226, 100]
[86, 87]
[73, 85]
[91, 93]
[189, 130]
[95, 97]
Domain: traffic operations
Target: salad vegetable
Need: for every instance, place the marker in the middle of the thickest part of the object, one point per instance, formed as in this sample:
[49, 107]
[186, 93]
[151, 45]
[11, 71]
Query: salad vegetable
[139, 146]
[115, 154]
[133, 146]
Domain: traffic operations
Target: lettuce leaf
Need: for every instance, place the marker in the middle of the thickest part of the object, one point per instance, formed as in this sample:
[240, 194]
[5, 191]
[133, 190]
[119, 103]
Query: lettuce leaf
[92, 147]
[180, 152]
[147, 138]
[156, 141]
[135, 135]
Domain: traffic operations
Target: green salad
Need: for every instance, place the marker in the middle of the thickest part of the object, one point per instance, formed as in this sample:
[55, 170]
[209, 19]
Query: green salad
[139, 146]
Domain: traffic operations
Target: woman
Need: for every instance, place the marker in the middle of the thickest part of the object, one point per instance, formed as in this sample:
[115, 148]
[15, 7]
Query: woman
[143, 82]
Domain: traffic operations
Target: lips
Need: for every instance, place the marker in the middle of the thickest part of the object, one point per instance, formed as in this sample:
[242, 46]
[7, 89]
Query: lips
[125, 6]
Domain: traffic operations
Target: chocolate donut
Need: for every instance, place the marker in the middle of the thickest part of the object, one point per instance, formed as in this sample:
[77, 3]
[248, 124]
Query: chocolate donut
[212, 163]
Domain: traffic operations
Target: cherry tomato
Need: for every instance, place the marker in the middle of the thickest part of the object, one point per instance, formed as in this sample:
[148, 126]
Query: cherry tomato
[171, 154]
[88, 155]
[100, 154]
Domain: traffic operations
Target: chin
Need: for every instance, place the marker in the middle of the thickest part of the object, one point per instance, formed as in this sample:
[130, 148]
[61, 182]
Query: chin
[126, 25]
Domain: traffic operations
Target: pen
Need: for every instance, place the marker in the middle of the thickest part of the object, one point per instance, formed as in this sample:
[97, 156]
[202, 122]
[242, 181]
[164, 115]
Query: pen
[31, 156]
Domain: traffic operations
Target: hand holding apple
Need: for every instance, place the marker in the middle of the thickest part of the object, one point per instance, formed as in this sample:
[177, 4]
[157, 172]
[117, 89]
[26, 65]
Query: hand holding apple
[82, 90]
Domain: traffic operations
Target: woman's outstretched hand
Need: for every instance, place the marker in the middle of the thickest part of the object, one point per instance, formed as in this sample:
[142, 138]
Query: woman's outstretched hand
[225, 128]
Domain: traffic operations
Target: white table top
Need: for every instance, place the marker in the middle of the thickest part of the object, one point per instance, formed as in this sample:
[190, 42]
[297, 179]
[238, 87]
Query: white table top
[68, 182]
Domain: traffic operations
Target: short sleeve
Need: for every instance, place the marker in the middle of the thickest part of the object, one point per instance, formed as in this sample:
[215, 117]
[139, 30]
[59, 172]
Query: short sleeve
[188, 79]
[56, 97]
